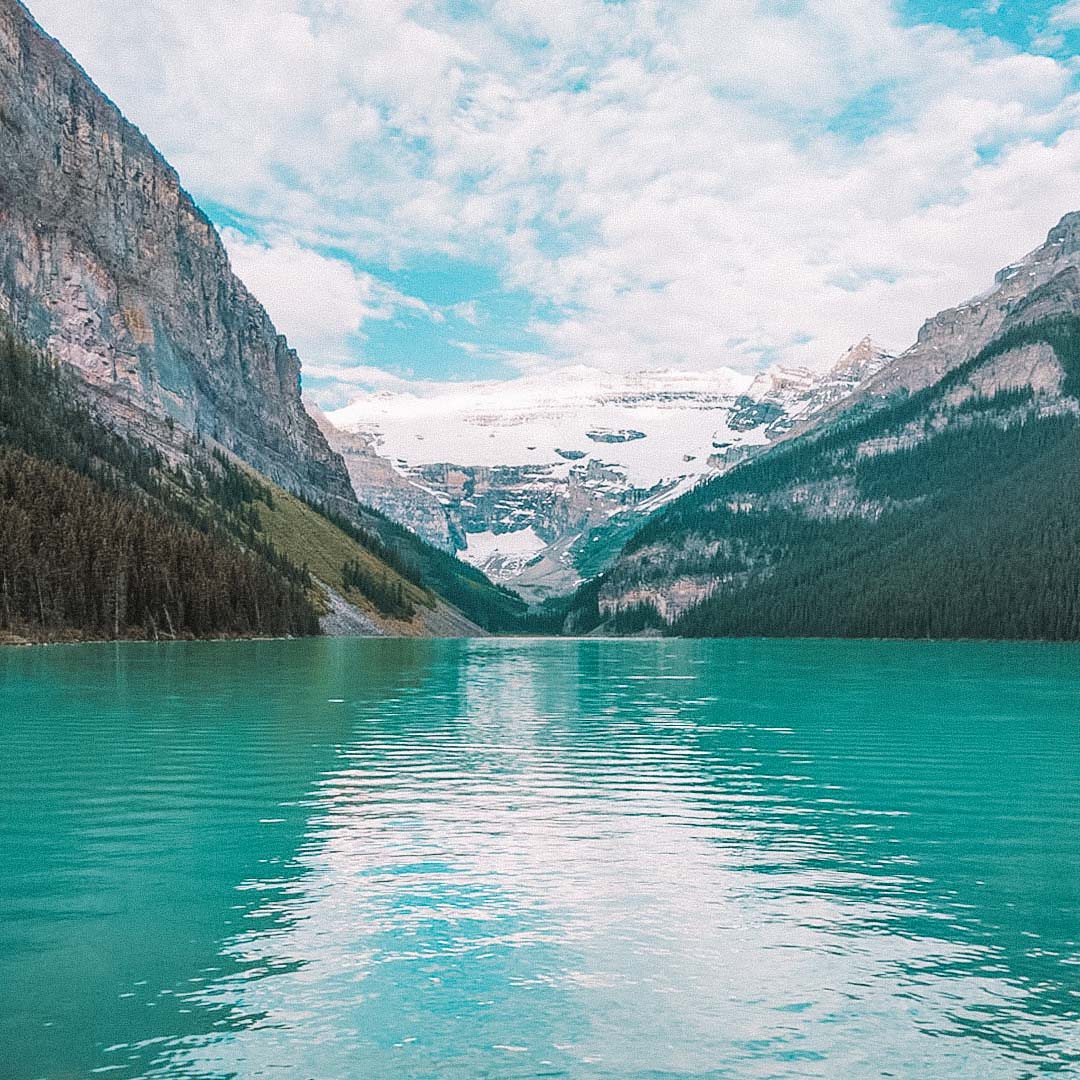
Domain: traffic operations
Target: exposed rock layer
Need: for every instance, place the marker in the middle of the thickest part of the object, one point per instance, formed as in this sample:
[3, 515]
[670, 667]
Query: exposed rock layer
[106, 262]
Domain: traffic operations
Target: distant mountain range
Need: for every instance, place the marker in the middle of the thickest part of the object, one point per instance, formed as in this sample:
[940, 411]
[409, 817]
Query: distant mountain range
[530, 480]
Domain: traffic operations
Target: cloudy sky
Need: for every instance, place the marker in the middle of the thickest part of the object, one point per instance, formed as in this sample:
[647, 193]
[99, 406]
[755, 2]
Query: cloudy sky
[462, 189]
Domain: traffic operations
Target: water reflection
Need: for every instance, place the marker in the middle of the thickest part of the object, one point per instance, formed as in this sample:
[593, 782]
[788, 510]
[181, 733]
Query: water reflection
[665, 859]
[139, 785]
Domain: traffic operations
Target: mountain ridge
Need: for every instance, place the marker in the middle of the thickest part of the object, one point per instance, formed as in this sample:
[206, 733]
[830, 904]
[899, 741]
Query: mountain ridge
[1021, 292]
[839, 526]
[526, 478]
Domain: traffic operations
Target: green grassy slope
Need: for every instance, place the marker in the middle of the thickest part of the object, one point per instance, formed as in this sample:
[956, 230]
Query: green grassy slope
[339, 560]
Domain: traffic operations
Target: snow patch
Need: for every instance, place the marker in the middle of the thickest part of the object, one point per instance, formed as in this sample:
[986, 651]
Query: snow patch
[483, 545]
[503, 556]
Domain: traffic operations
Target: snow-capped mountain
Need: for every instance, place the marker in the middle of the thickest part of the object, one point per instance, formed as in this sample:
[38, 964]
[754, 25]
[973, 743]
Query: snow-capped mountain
[523, 477]
[942, 510]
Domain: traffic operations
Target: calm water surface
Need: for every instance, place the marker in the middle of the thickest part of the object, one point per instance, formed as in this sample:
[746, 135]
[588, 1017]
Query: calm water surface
[394, 860]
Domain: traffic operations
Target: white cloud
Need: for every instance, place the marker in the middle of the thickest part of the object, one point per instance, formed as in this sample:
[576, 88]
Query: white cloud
[1066, 16]
[320, 303]
[467, 311]
[358, 375]
[678, 184]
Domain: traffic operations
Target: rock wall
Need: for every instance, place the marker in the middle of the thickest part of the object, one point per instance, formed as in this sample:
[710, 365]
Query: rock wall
[379, 485]
[108, 264]
[1042, 284]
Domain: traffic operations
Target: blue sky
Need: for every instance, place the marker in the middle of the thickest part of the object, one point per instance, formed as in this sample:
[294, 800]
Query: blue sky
[1021, 24]
[438, 190]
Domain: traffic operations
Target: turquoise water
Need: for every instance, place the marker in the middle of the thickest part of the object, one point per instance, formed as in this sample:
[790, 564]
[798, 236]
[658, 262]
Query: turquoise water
[641, 859]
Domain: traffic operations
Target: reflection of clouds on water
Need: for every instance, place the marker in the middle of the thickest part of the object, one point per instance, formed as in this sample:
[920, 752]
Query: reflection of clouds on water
[577, 863]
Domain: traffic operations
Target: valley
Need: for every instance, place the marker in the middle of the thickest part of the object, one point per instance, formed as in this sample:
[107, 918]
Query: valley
[533, 479]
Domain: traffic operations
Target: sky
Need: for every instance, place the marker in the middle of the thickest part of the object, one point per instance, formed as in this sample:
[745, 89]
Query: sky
[474, 189]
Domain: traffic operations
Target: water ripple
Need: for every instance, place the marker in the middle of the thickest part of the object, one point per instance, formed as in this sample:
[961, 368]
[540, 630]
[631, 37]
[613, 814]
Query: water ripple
[574, 859]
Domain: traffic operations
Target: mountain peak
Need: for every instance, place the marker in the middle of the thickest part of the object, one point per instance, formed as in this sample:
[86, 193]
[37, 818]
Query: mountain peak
[1067, 230]
[1062, 245]
[861, 360]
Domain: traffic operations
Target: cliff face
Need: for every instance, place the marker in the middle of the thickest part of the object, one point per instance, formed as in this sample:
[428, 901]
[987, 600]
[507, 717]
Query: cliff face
[1042, 284]
[109, 265]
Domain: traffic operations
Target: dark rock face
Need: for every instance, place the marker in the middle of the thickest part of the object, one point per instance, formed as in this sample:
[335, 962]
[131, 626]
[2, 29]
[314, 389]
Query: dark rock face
[750, 414]
[612, 437]
[109, 265]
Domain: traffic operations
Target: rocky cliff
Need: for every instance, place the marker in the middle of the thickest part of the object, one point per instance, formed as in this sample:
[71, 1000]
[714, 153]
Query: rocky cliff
[378, 484]
[1042, 284]
[108, 264]
[783, 398]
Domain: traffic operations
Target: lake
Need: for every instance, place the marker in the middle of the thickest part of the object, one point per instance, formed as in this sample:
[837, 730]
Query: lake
[511, 858]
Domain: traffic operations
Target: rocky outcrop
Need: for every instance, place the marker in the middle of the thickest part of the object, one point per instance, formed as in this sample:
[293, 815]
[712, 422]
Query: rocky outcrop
[669, 600]
[108, 264]
[1033, 366]
[1043, 283]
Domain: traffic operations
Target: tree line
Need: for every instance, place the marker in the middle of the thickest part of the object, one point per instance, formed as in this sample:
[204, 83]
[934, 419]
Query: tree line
[387, 596]
[101, 536]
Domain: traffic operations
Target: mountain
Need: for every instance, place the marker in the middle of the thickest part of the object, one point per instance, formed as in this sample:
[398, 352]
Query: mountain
[106, 534]
[161, 422]
[536, 480]
[784, 398]
[1042, 284]
[938, 499]
[109, 270]
[381, 485]
[101, 535]
[108, 265]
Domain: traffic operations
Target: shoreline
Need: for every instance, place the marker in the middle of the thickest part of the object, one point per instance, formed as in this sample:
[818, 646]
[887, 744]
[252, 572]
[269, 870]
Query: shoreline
[15, 641]
[18, 641]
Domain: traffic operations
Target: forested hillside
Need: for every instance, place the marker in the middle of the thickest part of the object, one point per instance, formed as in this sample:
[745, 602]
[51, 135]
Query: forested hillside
[101, 537]
[950, 513]
[107, 536]
[493, 607]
